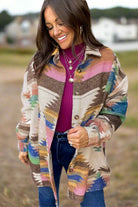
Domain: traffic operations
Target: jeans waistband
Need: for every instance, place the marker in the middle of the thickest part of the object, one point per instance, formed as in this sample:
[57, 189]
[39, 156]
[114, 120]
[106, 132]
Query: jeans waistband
[59, 135]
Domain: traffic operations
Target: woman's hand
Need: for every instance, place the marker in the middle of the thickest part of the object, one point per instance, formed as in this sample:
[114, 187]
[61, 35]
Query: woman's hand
[23, 156]
[78, 137]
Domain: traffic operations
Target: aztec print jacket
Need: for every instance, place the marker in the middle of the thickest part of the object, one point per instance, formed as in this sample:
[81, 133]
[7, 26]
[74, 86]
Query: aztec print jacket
[99, 99]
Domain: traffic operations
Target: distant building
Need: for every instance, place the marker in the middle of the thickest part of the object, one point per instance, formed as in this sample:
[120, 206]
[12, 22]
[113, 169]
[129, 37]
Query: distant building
[2, 38]
[107, 30]
[22, 31]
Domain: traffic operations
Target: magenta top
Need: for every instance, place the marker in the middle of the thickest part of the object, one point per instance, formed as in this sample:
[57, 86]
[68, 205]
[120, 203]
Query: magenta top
[65, 114]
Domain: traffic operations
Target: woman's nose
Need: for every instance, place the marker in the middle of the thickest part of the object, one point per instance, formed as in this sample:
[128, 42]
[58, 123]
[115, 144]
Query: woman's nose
[56, 30]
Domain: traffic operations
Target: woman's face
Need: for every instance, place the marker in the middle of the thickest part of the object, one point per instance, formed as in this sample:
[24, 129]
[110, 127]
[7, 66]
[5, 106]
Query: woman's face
[62, 34]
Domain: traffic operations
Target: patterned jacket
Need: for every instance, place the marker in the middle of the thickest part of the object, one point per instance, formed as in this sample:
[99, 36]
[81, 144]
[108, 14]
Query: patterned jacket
[99, 105]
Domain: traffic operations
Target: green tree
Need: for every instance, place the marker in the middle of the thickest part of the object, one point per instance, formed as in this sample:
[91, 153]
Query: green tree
[114, 13]
[5, 19]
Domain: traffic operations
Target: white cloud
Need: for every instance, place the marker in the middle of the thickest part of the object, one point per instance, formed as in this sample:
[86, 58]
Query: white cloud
[112, 3]
[23, 6]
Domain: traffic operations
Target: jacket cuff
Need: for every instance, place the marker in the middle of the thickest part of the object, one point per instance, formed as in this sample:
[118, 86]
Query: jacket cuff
[92, 131]
[22, 147]
[99, 128]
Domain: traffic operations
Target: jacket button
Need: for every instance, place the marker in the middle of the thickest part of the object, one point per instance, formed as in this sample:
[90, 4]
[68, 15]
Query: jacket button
[71, 170]
[76, 117]
[79, 70]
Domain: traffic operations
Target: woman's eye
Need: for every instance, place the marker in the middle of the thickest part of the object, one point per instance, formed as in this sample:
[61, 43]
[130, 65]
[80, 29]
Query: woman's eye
[49, 28]
[61, 23]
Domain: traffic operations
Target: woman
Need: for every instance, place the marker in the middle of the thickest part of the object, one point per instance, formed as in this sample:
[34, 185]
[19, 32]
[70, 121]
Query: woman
[74, 98]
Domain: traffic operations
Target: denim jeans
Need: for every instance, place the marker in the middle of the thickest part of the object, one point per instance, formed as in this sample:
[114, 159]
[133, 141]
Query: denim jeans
[62, 154]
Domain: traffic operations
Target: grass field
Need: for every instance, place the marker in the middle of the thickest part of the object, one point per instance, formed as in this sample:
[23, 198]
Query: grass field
[16, 187]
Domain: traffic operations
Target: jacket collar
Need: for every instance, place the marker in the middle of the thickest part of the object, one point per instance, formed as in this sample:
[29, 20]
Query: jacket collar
[88, 51]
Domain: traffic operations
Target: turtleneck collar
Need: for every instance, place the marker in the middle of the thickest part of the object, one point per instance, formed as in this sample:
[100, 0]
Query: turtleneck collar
[88, 51]
[69, 51]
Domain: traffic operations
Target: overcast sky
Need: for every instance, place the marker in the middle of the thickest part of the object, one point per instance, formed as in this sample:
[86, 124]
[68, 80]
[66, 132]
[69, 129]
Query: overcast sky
[24, 6]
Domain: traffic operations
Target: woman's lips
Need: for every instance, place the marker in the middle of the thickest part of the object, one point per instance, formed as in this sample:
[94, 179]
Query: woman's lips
[60, 39]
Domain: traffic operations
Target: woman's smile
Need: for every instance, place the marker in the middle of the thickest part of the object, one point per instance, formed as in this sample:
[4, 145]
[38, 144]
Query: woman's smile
[62, 38]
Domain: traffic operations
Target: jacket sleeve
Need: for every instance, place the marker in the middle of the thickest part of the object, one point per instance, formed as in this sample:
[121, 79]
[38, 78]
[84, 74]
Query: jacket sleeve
[113, 112]
[23, 127]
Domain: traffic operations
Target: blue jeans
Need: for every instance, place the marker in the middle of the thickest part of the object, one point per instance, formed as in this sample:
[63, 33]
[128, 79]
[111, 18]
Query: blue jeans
[62, 154]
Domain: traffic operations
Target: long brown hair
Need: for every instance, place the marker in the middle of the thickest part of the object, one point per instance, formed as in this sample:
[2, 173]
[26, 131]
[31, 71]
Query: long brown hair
[74, 13]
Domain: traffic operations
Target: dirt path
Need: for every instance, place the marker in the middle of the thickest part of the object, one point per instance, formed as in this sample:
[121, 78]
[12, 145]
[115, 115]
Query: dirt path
[10, 74]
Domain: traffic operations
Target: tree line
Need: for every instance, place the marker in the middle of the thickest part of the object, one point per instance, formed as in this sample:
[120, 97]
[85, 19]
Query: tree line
[113, 13]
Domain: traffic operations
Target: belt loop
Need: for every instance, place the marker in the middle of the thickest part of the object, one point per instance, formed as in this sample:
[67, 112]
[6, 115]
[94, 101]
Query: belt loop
[60, 134]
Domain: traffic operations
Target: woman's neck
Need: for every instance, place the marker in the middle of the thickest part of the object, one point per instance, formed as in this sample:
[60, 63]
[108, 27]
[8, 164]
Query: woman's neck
[77, 49]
